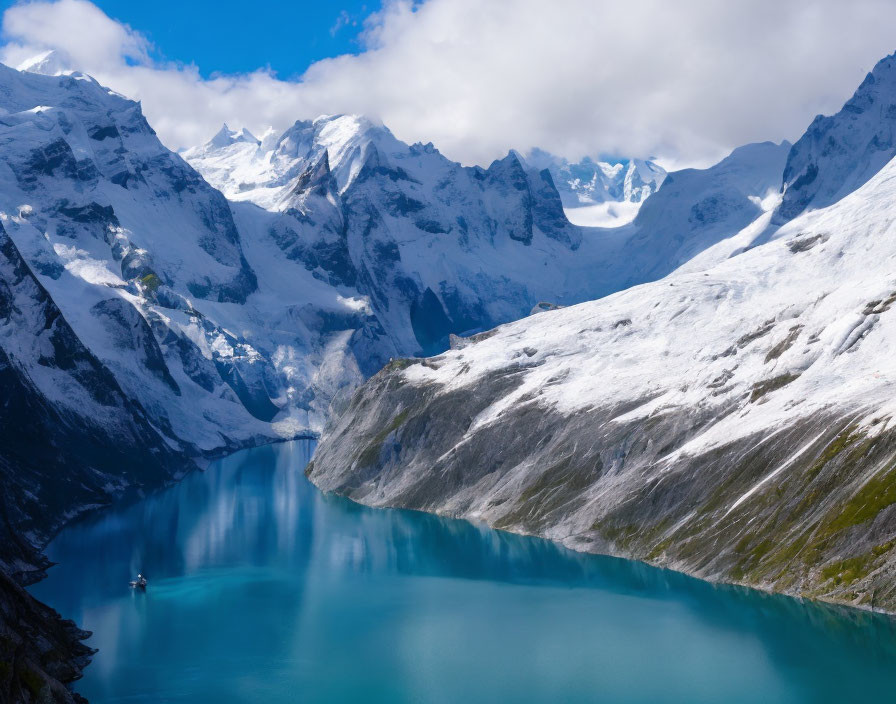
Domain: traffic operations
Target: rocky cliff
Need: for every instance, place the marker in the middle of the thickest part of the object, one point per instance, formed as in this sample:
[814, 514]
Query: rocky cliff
[734, 420]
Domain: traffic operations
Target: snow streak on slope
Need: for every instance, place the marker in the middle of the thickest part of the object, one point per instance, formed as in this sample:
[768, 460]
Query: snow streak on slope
[147, 264]
[440, 248]
[647, 423]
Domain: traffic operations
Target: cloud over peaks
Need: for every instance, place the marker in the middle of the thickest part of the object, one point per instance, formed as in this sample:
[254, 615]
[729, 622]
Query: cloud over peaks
[686, 81]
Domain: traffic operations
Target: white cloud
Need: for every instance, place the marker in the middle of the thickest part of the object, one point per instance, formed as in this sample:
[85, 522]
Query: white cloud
[686, 81]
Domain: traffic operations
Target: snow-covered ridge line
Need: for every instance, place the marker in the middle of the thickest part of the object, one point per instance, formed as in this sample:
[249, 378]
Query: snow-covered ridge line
[233, 323]
[734, 420]
[478, 247]
[230, 324]
[246, 168]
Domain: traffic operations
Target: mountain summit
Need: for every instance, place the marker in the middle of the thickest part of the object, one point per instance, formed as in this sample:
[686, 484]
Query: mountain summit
[734, 420]
[841, 152]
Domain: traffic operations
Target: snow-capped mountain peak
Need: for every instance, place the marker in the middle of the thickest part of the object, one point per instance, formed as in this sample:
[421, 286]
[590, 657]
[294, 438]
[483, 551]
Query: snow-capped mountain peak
[590, 181]
[642, 178]
[52, 62]
[840, 152]
[225, 137]
[261, 171]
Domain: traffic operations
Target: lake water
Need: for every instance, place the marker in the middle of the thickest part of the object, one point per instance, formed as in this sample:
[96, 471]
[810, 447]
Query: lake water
[262, 589]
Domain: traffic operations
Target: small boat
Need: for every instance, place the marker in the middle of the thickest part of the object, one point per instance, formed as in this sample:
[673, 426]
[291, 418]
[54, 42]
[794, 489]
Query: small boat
[139, 583]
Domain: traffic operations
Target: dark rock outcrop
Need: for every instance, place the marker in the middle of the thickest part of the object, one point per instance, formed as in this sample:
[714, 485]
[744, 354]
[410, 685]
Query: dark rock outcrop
[72, 440]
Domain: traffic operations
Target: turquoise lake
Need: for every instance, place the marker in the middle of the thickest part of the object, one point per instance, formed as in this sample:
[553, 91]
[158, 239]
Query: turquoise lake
[262, 589]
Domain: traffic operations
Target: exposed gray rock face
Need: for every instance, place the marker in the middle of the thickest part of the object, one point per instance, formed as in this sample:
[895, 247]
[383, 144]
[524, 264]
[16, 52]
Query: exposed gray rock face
[734, 422]
[593, 483]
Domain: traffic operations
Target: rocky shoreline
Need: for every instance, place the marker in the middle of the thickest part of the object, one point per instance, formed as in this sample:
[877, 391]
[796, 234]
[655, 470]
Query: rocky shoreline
[406, 445]
[41, 653]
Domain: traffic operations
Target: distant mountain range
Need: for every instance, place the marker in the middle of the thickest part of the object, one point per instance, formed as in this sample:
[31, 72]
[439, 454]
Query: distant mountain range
[601, 192]
[229, 323]
[245, 167]
[723, 409]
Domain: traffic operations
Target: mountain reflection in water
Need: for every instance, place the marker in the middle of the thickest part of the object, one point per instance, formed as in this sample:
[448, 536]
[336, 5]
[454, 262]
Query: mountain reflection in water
[263, 589]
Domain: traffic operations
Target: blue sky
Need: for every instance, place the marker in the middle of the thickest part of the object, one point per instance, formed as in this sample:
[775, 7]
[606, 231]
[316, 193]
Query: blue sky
[685, 82]
[235, 36]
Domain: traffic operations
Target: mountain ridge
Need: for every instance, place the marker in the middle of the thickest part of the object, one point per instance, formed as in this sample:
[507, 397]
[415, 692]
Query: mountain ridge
[214, 325]
[732, 420]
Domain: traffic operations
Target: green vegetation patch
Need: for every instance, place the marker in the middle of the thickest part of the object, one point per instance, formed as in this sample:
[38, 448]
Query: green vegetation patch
[151, 282]
[784, 344]
[33, 681]
[660, 548]
[751, 551]
[748, 470]
[883, 548]
[846, 449]
[565, 475]
[370, 454]
[395, 365]
[876, 494]
[847, 571]
[843, 440]
[559, 484]
[779, 559]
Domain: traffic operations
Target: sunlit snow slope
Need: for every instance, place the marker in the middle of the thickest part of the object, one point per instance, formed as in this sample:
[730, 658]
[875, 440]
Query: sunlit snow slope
[440, 248]
[733, 420]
